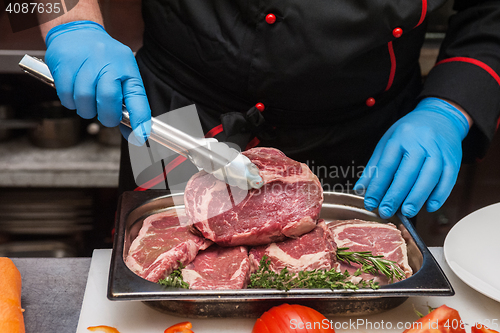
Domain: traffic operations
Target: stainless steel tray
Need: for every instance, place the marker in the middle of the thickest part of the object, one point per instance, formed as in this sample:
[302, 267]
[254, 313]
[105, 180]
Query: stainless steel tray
[123, 284]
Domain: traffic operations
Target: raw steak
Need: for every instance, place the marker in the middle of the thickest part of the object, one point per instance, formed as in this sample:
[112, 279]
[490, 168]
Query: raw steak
[379, 238]
[219, 268]
[314, 250]
[161, 243]
[288, 204]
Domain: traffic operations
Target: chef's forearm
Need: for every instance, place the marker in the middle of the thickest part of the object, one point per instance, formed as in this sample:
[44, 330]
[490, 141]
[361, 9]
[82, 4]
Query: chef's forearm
[85, 10]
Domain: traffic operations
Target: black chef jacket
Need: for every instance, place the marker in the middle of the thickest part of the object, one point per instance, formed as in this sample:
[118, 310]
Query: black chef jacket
[333, 75]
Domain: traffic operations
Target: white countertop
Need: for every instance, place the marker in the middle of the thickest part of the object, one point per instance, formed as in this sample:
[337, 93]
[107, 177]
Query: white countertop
[132, 317]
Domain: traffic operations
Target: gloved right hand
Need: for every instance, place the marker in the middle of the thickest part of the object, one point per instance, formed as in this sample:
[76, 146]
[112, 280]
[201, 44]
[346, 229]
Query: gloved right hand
[416, 161]
[95, 74]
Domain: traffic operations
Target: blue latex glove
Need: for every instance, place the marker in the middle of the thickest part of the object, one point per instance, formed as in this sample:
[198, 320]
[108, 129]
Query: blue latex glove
[417, 160]
[95, 74]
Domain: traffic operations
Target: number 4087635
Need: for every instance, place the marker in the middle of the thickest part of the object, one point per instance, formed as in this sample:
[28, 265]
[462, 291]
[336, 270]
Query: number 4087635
[33, 7]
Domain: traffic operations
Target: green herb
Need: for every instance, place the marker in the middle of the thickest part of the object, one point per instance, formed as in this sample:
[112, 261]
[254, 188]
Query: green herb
[284, 280]
[174, 280]
[266, 278]
[371, 263]
[419, 314]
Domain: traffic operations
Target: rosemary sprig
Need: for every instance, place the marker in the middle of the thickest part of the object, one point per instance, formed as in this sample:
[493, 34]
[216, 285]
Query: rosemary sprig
[174, 280]
[284, 280]
[324, 279]
[371, 263]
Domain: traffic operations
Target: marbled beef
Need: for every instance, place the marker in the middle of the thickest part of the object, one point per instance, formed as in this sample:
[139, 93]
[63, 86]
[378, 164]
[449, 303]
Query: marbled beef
[314, 250]
[161, 243]
[288, 204]
[379, 238]
[218, 268]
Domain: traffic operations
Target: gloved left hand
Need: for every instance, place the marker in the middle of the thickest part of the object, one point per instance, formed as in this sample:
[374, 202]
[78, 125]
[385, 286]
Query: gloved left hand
[417, 160]
[95, 74]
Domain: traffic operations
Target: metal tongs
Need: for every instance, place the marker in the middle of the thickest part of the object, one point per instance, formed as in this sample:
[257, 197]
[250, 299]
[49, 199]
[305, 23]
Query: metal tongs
[217, 158]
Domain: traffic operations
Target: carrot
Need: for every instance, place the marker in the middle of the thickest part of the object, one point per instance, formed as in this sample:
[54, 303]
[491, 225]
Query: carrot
[103, 328]
[11, 313]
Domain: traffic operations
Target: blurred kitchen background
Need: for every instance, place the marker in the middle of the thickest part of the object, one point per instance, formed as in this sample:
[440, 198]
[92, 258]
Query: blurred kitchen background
[59, 173]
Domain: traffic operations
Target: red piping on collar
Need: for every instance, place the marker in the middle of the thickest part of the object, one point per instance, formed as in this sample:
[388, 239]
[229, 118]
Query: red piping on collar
[424, 13]
[393, 65]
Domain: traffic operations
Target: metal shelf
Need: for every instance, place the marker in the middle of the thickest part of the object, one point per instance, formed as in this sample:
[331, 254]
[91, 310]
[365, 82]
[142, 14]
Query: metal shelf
[9, 59]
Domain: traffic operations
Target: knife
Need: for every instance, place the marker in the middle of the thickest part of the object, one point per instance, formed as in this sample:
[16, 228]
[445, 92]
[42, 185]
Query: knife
[217, 158]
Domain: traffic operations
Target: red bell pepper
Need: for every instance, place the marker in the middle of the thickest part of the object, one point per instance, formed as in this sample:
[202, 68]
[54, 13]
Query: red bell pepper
[184, 327]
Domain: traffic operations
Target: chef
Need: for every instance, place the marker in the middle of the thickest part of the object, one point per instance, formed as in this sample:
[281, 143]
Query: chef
[335, 84]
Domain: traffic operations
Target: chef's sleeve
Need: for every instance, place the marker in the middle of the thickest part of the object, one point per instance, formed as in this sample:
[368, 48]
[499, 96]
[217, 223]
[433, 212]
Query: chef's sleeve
[467, 70]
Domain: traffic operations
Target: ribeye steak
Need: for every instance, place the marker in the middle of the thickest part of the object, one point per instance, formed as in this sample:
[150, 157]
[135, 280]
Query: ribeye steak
[218, 268]
[288, 204]
[161, 243]
[379, 238]
[314, 250]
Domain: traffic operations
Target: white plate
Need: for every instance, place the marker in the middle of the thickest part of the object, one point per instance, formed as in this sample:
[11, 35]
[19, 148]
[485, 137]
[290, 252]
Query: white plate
[472, 250]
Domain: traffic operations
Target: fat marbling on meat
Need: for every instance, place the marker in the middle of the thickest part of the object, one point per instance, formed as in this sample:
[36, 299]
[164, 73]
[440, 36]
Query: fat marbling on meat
[314, 250]
[288, 205]
[379, 238]
[218, 268]
[161, 243]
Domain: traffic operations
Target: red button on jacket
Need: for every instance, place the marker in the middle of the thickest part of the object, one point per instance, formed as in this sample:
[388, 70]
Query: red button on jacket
[270, 18]
[397, 32]
[260, 107]
[370, 102]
